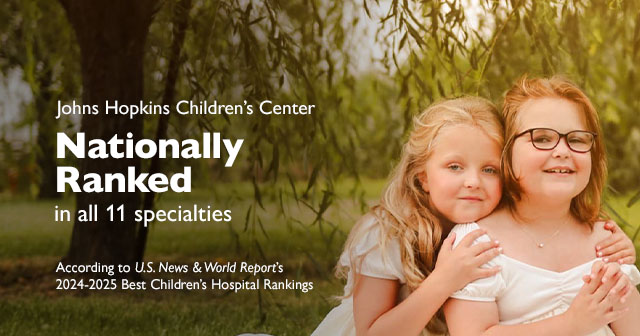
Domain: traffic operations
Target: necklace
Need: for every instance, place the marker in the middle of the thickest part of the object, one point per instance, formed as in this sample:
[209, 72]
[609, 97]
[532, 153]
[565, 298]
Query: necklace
[540, 243]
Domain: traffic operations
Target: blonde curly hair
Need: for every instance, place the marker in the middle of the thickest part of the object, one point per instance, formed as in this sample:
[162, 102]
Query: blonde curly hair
[404, 212]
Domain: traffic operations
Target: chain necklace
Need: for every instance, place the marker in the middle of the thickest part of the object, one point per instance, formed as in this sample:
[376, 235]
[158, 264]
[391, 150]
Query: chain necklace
[538, 243]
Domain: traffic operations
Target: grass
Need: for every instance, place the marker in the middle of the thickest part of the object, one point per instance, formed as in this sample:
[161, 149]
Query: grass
[167, 314]
[31, 243]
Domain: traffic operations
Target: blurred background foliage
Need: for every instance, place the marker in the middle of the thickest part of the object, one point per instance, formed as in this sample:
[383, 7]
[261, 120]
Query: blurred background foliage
[368, 67]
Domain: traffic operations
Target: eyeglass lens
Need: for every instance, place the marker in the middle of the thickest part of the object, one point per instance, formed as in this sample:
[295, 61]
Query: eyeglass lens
[579, 141]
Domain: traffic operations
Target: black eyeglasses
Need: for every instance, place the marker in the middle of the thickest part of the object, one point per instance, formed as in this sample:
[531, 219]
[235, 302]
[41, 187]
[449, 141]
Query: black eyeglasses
[547, 139]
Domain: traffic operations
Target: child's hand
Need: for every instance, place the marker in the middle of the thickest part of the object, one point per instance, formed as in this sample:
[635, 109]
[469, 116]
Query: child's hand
[622, 284]
[461, 265]
[598, 302]
[617, 247]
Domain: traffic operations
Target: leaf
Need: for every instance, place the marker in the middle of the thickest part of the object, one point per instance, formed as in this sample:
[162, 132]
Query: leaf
[441, 88]
[633, 199]
[256, 192]
[256, 21]
[403, 40]
[312, 179]
[246, 218]
[415, 35]
[474, 59]
[275, 162]
[293, 187]
[621, 221]
[366, 8]
[324, 205]
[264, 232]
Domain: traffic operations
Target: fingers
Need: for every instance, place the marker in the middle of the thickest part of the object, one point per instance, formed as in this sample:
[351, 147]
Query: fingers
[597, 267]
[605, 286]
[616, 293]
[471, 237]
[626, 291]
[620, 286]
[448, 242]
[487, 255]
[611, 226]
[479, 248]
[611, 270]
[619, 257]
[617, 246]
[605, 245]
[597, 271]
[447, 246]
[486, 272]
[615, 315]
[627, 260]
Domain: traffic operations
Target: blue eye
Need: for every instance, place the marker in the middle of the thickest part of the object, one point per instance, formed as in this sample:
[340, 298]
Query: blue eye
[489, 170]
[454, 167]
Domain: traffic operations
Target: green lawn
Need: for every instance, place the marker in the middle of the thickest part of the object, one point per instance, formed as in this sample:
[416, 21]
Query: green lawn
[31, 244]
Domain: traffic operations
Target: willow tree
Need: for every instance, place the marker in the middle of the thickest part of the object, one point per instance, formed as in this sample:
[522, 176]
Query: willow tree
[44, 49]
[262, 47]
[111, 36]
[450, 48]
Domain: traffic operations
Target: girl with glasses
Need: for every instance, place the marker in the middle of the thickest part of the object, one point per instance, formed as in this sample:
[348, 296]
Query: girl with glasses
[448, 173]
[554, 169]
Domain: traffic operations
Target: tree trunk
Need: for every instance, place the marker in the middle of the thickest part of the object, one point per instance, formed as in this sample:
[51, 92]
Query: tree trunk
[111, 35]
[180, 22]
[47, 126]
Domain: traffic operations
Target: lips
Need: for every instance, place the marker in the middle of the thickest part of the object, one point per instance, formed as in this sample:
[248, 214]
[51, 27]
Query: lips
[471, 198]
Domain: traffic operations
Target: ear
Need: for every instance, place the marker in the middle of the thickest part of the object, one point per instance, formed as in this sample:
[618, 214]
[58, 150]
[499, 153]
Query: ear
[422, 177]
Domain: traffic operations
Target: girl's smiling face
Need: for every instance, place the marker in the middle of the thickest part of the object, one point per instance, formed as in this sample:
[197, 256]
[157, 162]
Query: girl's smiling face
[558, 174]
[462, 174]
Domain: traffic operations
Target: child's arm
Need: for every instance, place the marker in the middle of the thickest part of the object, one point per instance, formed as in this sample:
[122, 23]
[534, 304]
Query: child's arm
[590, 310]
[374, 309]
[616, 247]
[629, 324]
[375, 314]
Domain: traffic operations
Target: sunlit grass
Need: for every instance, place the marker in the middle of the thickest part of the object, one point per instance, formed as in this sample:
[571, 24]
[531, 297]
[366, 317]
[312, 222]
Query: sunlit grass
[31, 243]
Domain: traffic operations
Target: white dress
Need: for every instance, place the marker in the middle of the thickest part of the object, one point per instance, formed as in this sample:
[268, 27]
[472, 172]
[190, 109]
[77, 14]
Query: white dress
[526, 293]
[339, 321]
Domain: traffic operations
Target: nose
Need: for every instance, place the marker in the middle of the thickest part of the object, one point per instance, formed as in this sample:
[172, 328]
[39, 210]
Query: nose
[562, 149]
[471, 180]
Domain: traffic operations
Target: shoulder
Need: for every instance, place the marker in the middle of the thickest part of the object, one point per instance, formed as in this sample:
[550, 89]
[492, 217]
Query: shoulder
[373, 250]
[598, 233]
[365, 235]
[462, 230]
[498, 221]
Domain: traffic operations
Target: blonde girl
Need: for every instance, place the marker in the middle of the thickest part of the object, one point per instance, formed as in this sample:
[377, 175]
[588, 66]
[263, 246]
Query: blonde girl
[554, 170]
[448, 173]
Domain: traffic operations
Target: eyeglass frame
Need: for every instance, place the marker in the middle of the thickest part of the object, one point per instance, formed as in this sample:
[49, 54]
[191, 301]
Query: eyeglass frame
[560, 136]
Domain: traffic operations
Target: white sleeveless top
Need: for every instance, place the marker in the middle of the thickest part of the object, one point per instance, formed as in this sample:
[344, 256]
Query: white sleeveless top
[525, 293]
